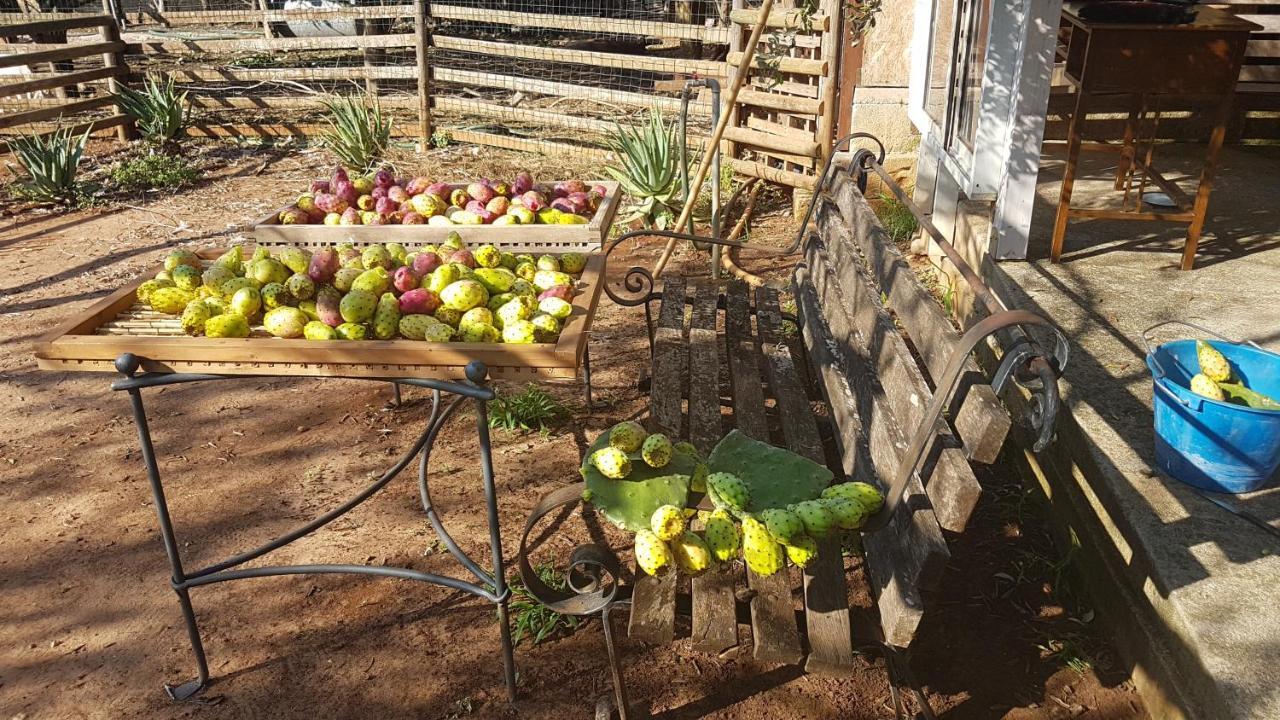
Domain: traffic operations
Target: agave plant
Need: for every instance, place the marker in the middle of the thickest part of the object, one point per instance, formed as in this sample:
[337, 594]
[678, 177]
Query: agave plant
[52, 161]
[359, 133]
[648, 170]
[160, 110]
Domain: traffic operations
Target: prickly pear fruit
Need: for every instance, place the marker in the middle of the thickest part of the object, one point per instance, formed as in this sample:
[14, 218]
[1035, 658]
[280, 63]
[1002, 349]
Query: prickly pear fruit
[698, 480]
[690, 552]
[232, 259]
[784, 525]
[343, 279]
[526, 271]
[612, 463]
[376, 256]
[328, 308]
[230, 325]
[441, 278]
[438, 333]
[656, 450]
[296, 259]
[520, 332]
[1201, 384]
[573, 263]
[817, 520]
[495, 280]
[546, 329]
[652, 555]
[480, 333]
[324, 263]
[728, 491]
[667, 522]
[1213, 364]
[316, 330]
[246, 302]
[544, 280]
[185, 277]
[145, 289]
[275, 295]
[182, 257]
[684, 447]
[301, 286]
[721, 536]
[216, 305]
[215, 276]
[351, 331]
[448, 316]
[627, 436]
[464, 295]
[169, 300]
[513, 311]
[358, 306]
[488, 256]
[555, 307]
[864, 493]
[476, 316]
[374, 281]
[763, 554]
[194, 317]
[849, 514]
[285, 322]
[420, 301]
[802, 551]
[386, 318]
[269, 270]
[232, 286]
[415, 327]
[405, 279]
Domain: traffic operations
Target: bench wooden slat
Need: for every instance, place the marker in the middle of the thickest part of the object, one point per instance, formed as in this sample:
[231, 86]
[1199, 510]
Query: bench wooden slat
[925, 323]
[825, 596]
[669, 360]
[857, 320]
[715, 623]
[773, 620]
[653, 608]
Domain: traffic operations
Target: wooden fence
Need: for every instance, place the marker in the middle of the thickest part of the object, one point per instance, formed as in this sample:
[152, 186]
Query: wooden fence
[551, 82]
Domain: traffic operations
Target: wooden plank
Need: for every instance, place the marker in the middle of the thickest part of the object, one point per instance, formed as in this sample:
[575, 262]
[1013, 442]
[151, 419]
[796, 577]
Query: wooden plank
[543, 147]
[653, 608]
[826, 602]
[584, 23]
[800, 66]
[786, 87]
[60, 24]
[783, 143]
[473, 78]
[67, 53]
[705, 429]
[715, 621]
[786, 103]
[255, 17]
[57, 81]
[228, 74]
[1270, 23]
[139, 43]
[519, 114]
[91, 126]
[621, 61]
[669, 361]
[772, 174]
[926, 323]
[65, 110]
[788, 19]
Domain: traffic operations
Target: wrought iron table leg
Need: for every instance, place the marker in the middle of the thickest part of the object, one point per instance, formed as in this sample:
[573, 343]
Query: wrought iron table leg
[586, 379]
[396, 401]
[615, 662]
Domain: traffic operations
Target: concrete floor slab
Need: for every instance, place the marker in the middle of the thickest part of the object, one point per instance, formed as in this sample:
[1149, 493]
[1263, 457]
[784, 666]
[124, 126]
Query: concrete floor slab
[1203, 585]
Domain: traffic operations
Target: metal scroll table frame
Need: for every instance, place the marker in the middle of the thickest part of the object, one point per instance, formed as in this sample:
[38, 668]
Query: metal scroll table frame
[490, 586]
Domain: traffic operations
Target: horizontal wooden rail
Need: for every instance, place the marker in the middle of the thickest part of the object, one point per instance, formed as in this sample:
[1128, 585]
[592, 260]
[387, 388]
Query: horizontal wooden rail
[170, 47]
[77, 130]
[791, 19]
[773, 175]
[582, 57]
[63, 109]
[509, 142]
[516, 114]
[785, 103]
[583, 23]
[248, 16]
[62, 23]
[801, 66]
[546, 87]
[60, 80]
[786, 144]
[223, 130]
[209, 74]
[67, 53]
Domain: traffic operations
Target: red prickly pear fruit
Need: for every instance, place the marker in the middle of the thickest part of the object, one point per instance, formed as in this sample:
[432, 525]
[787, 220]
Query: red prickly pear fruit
[522, 184]
[564, 205]
[567, 187]
[319, 186]
[481, 192]
[398, 193]
[413, 218]
[395, 218]
[330, 203]
[486, 217]
[475, 206]
[327, 300]
[405, 279]
[386, 206]
[366, 202]
[374, 218]
[419, 301]
[600, 190]
[384, 179]
[378, 193]
[459, 198]
[324, 263]
[564, 292]
[499, 205]
[418, 185]
[345, 190]
[350, 216]
[426, 262]
[533, 200]
[464, 257]
[339, 175]
[580, 200]
[502, 188]
[440, 190]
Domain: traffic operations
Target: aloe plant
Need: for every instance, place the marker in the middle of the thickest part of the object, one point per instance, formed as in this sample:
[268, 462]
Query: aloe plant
[51, 161]
[160, 110]
[648, 170]
[359, 133]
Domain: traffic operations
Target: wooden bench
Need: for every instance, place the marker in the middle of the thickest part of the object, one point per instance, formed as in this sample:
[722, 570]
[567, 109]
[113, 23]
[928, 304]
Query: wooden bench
[836, 382]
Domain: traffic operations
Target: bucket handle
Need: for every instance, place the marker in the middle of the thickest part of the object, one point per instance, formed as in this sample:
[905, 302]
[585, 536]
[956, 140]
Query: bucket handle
[1160, 371]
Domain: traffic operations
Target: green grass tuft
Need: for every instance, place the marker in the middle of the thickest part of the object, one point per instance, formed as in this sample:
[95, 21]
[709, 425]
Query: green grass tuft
[532, 409]
[153, 171]
[896, 218]
[530, 618]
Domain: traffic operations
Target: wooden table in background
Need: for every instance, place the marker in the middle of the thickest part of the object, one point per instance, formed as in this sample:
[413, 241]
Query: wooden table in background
[1196, 60]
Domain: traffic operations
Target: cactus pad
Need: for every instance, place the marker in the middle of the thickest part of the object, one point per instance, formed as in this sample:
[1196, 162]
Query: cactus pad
[630, 503]
[775, 477]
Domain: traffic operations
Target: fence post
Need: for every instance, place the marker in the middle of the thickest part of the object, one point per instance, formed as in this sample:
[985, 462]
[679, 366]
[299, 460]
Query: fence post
[829, 51]
[728, 147]
[115, 59]
[422, 27]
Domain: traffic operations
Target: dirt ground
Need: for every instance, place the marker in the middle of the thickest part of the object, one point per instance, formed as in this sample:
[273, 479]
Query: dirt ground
[88, 628]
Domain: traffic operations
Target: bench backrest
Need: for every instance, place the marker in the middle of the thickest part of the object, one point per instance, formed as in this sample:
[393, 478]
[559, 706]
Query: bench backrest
[851, 276]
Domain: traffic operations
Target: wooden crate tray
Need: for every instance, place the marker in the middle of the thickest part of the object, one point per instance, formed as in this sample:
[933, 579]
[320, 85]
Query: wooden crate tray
[118, 324]
[550, 238]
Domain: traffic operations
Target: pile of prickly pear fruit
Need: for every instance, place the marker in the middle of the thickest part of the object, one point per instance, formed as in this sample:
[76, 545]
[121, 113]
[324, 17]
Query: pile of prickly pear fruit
[765, 538]
[383, 199]
[437, 294]
[1216, 381]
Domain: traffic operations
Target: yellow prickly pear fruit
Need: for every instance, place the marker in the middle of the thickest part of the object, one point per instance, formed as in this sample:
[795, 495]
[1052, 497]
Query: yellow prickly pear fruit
[1204, 386]
[802, 550]
[627, 436]
[784, 525]
[1213, 364]
[865, 493]
[652, 555]
[667, 522]
[691, 554]
[721, 536]
[230, 325]
[169, 300]
[763, 554]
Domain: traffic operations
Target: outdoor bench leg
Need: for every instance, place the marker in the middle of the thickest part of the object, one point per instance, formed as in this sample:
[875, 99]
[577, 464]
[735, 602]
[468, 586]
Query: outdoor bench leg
[615, 667]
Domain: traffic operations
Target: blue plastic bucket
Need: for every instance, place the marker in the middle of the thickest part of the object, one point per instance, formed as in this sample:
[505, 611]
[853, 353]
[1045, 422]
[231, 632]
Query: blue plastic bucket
[1215, 446]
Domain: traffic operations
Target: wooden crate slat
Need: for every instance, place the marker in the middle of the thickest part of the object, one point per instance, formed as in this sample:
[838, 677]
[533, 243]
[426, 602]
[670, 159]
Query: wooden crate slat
[653, 607]
[669, 361]
[705, 429]
[715, 622]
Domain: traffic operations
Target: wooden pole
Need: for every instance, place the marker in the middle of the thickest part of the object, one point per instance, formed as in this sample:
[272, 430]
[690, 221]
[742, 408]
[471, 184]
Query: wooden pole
[111, 33]
[739, 77]
[424, 75]
[832, 40]
[730, 148]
